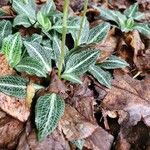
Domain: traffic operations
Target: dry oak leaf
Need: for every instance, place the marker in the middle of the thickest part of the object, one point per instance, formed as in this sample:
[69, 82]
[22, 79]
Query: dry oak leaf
[10, 129]
[14, 107]
[131, 96]
[5, 69]
[99, 140]
[54, 141]
[75, 126]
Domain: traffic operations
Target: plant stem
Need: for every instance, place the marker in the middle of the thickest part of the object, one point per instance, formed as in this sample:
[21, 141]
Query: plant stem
[61, 58]
[82, 23]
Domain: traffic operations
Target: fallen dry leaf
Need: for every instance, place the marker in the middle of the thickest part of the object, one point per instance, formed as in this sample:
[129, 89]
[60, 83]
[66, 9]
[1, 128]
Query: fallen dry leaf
[54, 141]
[75, 126]
[14, 107]
[57, 86]
[134, 40]
[4, 67]
[131, 96]
[99, 140]
[10, 129]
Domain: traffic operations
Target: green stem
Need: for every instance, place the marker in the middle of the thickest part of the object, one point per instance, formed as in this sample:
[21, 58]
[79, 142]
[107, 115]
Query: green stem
[82, 23]
[65, 16]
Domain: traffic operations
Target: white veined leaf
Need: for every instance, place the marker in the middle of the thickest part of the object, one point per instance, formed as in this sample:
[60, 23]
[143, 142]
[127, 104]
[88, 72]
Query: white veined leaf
[36, 51]
[57, 48]
[138, 16]
[24, 9]
[31, 66]
[98, 33]
[84, 33]
[121, 20]
[107, 14]
[22, 20]
[143, 29]
[34, 38]
[13, 86]
[73, 24]
[5, 30]
[44, 21]
[48, 111]
[78, 63]
[71, 77]
[48, 7]
[113, 62]
[102, 76]
[12, 48]
[79, 143]
[132, 10]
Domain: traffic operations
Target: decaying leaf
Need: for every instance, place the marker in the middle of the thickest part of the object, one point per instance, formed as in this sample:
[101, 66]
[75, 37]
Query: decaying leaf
[75, 126]
[55, 141]
[14, 107]
[131, 96]
[99, 140]
[5, 69]
[10, 130]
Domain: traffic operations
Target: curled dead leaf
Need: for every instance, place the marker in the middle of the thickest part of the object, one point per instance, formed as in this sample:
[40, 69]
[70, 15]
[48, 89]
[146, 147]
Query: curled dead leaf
[14, 107]
[75, 126]
[131, 96]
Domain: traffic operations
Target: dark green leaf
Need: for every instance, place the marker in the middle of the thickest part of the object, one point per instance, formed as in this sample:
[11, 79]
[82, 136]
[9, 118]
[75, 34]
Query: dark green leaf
[31, 66]
[48, 111]
[12, 48]
[102, 76]
[13, 86]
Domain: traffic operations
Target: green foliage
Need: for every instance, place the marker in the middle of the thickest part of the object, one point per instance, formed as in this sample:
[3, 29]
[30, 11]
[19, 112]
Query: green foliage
[31, 66]
[5, 30]
[113, 62]
[36, 51]
[126, 21]
[79, 143]
[13, 86]
[78, 63]
[49, 109]
[12, 48]
[26, 9]
[102, 76]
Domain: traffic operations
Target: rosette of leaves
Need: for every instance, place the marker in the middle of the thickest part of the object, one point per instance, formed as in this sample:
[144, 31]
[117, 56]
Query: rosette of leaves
[34, 55]
[126, 21]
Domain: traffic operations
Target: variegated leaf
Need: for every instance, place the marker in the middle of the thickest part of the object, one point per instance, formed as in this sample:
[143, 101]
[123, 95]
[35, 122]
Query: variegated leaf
[13, 86]
[34, 38]
[143, 29]
[22, 20]
[57, 48]
[44, 21]
[5, 30]
[73, 25]
[78, 63]
[79, 143]
[12, 48]
[48, 7]
[36, 51]
[132, 10]
[25, 9]
[31, 66]
[113, 62]
[84, 33]
[102, 76]
[98, 33]
[107, 14]
[49, 109]
[72, 77]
